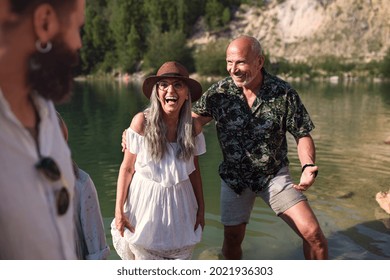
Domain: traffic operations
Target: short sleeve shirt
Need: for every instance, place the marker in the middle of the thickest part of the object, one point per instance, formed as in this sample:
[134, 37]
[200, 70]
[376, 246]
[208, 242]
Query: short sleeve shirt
[253, 140]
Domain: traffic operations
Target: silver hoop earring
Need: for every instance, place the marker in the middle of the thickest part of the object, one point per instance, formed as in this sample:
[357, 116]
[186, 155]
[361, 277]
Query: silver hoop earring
[45, 49]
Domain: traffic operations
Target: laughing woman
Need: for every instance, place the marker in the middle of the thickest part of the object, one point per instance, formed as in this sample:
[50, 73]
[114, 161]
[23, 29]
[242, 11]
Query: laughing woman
[159, 212]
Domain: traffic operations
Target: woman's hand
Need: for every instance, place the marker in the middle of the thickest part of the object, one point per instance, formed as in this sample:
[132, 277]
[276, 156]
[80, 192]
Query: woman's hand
[199, 220]
[122, 222]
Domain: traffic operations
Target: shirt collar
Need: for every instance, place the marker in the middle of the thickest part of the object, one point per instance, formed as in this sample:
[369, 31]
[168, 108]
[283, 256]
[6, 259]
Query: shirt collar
[267, 82]
[40, 105]
[39, 102]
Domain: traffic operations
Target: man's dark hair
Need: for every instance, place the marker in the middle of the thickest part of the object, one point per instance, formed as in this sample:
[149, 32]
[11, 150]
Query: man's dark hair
[23, 6]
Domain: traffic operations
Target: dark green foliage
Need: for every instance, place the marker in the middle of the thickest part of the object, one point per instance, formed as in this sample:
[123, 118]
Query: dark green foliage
[210, 61]
[131, 53]
[226, 16]
[117, 33]
[293, 69]
[256, 3]
[373, 68]
[168, 15]
[329, 64]
[218, 13]
[167, 46]
[213, 16]
[127, 30]
[96, 37]
[385, 67]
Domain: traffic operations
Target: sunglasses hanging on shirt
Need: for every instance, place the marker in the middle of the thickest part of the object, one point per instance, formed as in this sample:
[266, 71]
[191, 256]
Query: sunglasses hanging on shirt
[49, 168]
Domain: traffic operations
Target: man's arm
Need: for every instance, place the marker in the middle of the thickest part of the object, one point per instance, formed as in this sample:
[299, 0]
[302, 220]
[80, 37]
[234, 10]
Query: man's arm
[307, 156]
[306, 150]
[199, 119]
[202, 120]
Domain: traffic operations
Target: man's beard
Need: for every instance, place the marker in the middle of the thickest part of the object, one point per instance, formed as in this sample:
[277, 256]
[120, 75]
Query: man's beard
[50, 74]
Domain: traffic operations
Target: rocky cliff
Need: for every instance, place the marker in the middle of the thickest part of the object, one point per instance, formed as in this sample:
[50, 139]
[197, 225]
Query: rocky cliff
[354, 30]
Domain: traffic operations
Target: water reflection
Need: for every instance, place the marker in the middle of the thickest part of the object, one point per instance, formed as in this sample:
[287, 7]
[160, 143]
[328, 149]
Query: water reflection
[352, 121]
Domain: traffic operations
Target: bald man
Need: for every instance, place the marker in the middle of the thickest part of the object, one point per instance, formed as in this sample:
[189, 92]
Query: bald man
[253, 110]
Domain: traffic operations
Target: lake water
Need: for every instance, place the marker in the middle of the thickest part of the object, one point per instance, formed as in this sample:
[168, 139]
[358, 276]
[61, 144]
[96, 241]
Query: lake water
[352, 121]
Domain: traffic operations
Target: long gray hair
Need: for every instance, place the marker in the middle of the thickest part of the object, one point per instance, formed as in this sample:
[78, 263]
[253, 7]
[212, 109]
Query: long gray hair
[156, 130]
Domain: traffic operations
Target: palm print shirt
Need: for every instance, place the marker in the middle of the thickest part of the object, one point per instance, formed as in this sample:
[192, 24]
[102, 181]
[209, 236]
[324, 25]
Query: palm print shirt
[253, 140]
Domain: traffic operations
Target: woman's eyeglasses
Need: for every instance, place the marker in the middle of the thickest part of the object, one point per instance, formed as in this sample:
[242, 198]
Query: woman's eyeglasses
[164, 85]
[49, 168]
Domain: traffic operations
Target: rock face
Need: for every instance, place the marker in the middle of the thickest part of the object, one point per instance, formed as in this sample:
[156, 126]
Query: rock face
[355, 30]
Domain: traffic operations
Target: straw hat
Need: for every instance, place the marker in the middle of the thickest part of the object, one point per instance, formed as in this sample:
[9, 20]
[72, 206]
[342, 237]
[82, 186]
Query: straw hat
[172, 69]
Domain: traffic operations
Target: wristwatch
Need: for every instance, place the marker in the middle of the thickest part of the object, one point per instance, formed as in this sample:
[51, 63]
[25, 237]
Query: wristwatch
[310, 164]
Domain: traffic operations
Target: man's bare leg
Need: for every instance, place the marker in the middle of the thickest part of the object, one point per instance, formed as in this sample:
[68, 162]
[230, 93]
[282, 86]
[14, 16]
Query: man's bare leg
[302, 220]
[233, 237]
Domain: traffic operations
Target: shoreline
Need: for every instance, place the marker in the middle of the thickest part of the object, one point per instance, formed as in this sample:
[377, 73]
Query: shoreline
[138, 77]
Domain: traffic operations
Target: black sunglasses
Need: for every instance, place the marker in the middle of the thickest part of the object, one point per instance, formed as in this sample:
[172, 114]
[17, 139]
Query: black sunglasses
[49, 168]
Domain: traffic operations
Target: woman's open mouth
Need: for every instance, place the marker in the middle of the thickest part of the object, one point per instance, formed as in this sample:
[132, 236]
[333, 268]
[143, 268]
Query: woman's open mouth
[171, 99]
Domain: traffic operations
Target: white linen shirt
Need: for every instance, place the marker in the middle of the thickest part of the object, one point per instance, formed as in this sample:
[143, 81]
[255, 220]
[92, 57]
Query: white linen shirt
[30, 227]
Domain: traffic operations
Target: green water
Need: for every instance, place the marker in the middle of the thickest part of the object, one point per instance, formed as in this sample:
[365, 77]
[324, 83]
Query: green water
[352, 121]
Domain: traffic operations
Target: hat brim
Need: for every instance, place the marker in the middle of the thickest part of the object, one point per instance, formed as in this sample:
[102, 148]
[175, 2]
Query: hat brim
[194, 86]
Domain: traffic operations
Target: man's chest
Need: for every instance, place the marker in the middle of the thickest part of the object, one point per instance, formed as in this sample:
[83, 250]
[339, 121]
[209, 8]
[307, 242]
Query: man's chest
[233, 115]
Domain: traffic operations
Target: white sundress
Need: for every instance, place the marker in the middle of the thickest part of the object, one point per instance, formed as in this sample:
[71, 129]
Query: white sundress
[161, 205]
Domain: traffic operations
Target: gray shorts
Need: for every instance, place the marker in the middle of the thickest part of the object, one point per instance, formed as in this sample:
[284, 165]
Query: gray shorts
[280, 195]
